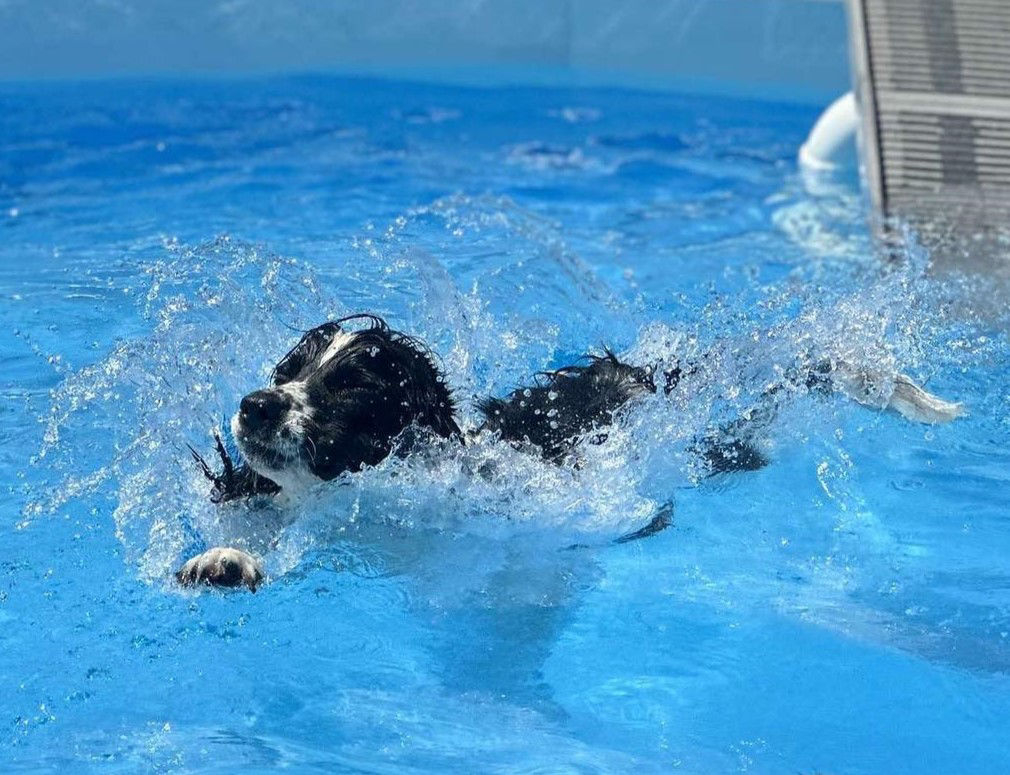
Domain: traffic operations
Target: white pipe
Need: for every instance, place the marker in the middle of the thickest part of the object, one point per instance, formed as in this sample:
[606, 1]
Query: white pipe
[831, 143]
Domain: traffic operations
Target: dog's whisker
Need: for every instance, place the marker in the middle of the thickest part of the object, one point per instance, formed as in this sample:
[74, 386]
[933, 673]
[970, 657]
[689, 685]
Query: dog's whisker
[311, 445]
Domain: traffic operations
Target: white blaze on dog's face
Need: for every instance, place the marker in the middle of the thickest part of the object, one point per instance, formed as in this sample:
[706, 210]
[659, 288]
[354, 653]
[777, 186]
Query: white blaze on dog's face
[271, 429]
[338, 401]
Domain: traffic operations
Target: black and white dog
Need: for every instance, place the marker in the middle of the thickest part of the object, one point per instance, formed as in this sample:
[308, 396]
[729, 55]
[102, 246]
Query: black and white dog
[345, 398]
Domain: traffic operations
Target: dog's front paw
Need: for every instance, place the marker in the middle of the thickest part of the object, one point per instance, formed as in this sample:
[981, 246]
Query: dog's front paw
[222, 566]
[234, 481]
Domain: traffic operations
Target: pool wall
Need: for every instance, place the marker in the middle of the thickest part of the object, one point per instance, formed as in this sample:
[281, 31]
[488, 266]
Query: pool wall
[767, 48]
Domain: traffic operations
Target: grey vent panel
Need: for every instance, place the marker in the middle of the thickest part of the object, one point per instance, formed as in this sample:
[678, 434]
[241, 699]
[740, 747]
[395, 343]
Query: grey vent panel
[933, 80]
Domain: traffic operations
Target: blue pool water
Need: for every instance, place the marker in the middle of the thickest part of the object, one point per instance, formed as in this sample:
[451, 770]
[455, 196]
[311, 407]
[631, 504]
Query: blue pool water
[844, 610]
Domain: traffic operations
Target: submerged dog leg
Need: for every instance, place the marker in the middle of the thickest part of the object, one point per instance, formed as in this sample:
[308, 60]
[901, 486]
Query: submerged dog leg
[731, 447]
[726, 454]
[661, 521]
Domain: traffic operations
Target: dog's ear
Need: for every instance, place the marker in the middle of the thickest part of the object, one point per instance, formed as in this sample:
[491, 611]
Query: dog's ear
[311, 345]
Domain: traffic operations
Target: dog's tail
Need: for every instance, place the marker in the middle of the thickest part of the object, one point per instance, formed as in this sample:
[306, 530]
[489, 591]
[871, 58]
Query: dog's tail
[914, 403]
[897, 392]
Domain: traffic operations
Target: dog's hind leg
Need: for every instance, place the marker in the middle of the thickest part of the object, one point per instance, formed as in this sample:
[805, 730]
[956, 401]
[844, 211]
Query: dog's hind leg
[732, 447]
[728, 454]
[661, 521]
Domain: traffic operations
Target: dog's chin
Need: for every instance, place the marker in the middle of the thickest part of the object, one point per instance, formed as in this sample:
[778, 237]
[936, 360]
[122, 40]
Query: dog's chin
[281, 462]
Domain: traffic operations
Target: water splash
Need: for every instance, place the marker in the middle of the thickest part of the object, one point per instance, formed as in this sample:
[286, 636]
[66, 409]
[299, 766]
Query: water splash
[219, 313]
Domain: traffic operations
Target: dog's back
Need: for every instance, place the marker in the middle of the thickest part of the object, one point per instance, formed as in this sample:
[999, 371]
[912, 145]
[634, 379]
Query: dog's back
[566, 405]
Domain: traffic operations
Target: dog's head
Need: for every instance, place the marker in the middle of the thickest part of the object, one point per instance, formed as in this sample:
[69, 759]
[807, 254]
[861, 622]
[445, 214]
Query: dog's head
[339, 400]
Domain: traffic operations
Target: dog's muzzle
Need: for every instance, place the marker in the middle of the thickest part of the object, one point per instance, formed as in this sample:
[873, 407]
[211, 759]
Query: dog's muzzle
[263, 410]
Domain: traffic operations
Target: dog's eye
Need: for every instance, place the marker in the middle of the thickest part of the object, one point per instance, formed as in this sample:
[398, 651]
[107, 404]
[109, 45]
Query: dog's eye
[347, 375]
[332, 381]
[311, 345]
[336, 378]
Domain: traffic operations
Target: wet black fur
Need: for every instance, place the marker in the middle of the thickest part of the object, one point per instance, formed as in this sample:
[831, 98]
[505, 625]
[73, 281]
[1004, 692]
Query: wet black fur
[576, 404]
[363, 400]
[555, 414]
[384, 384]
[366, 396]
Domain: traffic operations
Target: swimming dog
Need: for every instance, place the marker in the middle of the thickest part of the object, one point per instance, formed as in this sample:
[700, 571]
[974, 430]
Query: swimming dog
[345, 398]
[338, 401]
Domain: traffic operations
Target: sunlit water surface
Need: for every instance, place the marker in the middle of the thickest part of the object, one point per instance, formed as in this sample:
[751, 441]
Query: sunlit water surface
[844, 610]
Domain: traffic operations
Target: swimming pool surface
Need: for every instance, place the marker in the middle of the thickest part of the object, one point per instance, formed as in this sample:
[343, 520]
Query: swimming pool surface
[844, 610]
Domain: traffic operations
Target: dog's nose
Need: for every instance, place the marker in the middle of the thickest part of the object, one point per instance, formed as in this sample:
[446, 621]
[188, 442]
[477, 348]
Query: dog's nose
[262, 409]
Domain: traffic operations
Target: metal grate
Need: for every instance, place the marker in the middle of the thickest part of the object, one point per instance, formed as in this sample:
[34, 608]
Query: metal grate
[933, 79]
